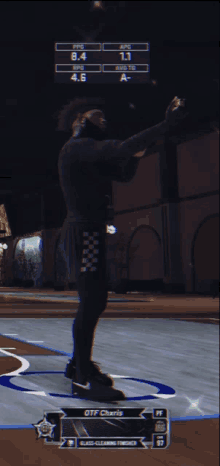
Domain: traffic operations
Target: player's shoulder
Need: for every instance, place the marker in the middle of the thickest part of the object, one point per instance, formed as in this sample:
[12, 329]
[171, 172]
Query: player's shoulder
[108, 143]
[70, 145]
[79, 145]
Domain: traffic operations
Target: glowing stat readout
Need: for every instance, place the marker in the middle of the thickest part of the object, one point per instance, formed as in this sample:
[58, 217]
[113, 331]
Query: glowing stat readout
[98, 63]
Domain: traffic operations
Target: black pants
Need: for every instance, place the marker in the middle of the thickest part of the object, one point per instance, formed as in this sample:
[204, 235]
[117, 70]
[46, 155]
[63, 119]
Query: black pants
[89, 249]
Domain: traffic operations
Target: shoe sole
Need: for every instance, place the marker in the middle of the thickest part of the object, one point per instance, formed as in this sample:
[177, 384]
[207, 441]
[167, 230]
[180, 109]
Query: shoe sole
[70, 373]
[97, 392]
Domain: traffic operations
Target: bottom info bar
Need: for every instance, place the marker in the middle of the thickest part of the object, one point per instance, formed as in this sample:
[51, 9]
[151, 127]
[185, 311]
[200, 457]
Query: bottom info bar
[80, 428]
[159, 441]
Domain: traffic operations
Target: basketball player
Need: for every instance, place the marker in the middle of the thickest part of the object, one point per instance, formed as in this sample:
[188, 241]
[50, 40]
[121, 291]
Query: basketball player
[88, 163]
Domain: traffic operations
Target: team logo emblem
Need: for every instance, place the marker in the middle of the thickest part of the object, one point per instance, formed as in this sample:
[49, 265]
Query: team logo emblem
[44, 428]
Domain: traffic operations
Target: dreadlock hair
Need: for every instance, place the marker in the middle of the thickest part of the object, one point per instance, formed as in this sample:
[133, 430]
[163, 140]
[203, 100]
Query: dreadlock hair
[79, 105]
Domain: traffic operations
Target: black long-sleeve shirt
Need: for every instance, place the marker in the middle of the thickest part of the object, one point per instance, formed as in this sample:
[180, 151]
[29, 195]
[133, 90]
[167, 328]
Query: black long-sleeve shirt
[87, 168]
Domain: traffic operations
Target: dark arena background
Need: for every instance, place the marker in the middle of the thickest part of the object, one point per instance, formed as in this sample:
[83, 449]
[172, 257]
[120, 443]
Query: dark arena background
[158, 336]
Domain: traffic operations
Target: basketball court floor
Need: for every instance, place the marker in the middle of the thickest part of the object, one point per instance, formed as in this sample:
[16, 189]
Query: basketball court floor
[162, 363]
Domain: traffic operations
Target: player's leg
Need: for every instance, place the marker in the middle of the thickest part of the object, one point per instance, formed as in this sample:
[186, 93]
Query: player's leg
[92, 290]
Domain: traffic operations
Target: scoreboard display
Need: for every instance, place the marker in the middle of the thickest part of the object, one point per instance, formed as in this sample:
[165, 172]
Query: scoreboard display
[102, 63]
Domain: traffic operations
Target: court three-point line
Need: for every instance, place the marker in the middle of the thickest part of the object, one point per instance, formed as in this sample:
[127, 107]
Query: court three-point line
[24, 363]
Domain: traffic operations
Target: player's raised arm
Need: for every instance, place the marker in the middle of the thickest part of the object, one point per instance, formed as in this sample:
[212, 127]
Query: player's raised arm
[139, 143]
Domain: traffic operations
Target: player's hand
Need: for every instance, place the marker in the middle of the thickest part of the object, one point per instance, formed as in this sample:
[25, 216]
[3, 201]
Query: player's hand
[176, 112]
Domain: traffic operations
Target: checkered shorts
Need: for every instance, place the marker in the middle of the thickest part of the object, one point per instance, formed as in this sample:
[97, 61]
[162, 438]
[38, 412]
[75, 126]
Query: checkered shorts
[90, 251]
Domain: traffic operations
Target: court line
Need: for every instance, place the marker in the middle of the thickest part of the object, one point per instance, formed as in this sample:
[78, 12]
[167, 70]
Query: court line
[8, 348]
[62, 353]
[35, 341]
[24, 363]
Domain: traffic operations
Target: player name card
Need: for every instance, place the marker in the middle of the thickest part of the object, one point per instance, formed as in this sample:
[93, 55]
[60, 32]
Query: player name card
[123, 428]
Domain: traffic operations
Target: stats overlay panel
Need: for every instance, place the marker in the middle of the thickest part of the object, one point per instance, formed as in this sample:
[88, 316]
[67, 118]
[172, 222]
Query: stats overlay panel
[102, 63]
[124, 428]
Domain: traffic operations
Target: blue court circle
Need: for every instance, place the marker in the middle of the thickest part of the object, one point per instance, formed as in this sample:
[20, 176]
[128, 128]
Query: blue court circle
[162, 389]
